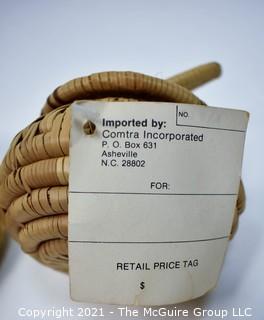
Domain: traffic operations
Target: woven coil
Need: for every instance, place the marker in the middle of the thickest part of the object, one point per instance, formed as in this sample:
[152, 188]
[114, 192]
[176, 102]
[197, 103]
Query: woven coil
[34, 172]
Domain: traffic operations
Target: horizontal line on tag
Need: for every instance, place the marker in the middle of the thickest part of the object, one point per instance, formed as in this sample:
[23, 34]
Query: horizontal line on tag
[213, 128]
[156, 193]
[146, 242]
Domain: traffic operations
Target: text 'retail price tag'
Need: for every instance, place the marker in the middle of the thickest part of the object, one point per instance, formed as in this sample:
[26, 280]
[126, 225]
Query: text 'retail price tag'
[152, 195]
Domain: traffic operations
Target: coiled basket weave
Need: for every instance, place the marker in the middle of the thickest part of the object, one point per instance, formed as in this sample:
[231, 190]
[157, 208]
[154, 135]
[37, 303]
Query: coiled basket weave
[34, 172]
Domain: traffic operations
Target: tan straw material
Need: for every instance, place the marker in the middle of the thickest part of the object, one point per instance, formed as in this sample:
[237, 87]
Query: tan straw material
[195, 77]
[34, 173]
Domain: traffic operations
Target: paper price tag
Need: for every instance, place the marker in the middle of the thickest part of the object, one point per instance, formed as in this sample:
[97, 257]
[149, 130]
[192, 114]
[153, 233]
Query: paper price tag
[152, 195]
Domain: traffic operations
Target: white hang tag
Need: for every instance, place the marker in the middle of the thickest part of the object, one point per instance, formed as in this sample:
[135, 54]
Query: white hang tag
[152, 196]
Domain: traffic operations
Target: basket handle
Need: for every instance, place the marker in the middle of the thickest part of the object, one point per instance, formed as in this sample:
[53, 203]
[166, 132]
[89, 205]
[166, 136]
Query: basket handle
[197, 76]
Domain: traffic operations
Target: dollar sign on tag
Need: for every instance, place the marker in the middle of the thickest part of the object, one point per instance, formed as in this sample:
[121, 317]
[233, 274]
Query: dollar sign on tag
[142, 285]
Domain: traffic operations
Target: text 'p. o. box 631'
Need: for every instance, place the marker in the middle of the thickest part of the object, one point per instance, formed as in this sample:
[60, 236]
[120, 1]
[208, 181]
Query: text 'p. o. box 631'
[152, 195]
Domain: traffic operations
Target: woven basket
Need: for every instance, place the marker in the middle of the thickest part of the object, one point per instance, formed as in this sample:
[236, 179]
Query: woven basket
[34, 172]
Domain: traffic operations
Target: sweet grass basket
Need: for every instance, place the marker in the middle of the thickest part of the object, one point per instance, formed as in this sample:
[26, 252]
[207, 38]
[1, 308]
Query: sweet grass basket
[34, 172]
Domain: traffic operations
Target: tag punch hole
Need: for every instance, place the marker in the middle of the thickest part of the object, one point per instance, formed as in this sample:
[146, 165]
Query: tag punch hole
[89, 127]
